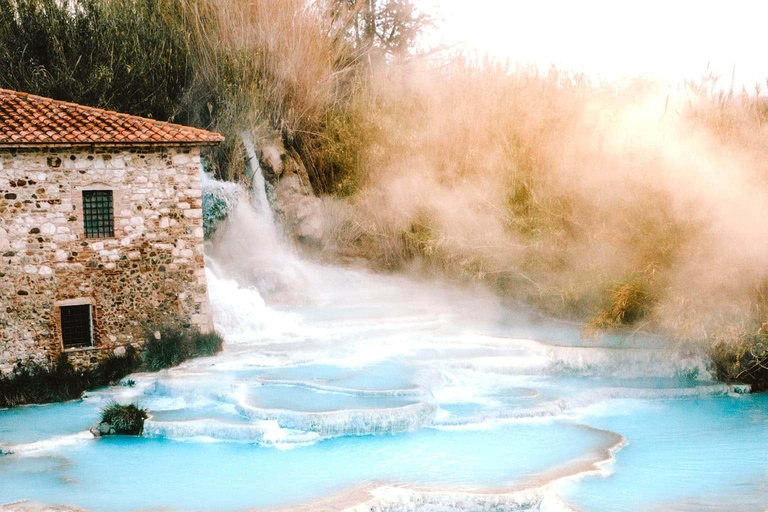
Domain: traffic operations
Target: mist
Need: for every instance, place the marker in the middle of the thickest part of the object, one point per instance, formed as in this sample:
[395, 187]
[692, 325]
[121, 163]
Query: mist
[625, 205]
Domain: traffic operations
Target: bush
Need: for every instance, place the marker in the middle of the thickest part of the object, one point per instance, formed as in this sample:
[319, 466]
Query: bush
[125, 55]
[207, 344]
[124, 419]
[34, 383]
[172, 344]
[743, 357]
[627, 304]
[215, 209]
[110, 370]
[170, 348]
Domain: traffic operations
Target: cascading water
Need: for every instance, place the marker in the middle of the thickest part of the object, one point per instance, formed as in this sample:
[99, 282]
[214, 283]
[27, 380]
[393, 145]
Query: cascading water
[258, 183]
[374, 392]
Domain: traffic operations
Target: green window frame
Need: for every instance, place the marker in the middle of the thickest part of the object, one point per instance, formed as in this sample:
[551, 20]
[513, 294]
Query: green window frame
[98, 213]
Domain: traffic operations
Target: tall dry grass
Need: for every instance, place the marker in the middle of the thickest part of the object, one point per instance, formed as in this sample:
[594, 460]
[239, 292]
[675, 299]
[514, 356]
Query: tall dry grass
[630, 205]
[295, 66]
[277, 64]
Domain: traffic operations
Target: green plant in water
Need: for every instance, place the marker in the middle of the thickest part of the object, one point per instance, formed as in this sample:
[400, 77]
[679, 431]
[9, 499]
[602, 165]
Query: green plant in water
[124, 419]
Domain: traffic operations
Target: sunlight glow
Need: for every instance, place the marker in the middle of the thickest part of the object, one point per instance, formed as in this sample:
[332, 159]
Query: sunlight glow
[663, 40]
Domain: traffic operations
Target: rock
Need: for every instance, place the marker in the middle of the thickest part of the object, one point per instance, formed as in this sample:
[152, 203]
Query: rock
[302, 213]
[309, 223]
[119, 351]
[270, 159]
[289, 189]
[293, 166]
[102, 429]
[271, 154]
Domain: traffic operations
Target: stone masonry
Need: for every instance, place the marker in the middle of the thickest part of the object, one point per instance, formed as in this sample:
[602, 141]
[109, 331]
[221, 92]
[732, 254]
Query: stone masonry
[153, 266]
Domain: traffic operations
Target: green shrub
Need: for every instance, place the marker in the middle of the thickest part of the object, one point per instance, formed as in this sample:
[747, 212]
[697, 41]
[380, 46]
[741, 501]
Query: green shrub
[172, 344]
[215, 209]
[34, 383]
[170, 348]
[125, 55]
[110, 370]
[124, 419]
[207, 344]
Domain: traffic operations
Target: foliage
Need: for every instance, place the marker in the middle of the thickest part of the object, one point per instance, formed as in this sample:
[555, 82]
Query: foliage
[172, 343]
[170, 348]
[627, 304]
[124, 419]
[388, 26]
[33, 383]
[215, 209]
[207, 344]
[743, 359]
[336, 157]
[126, 55]
[110, 370]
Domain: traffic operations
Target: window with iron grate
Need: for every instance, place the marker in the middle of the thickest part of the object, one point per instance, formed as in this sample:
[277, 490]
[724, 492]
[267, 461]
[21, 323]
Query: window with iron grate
[76, 330]
[98, 214]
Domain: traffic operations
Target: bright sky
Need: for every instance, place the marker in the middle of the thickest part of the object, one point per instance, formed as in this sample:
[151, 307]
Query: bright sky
[670, 41]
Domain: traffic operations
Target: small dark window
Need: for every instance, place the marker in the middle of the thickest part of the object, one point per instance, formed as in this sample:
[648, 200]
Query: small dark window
[76, 326]
[98, 214]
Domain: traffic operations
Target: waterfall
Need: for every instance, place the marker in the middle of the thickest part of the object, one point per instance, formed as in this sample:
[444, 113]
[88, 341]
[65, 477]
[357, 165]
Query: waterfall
[247, 247]
[258, 184]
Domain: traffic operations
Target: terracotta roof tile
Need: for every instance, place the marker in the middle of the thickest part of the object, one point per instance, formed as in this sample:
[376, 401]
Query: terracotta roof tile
[26, 119]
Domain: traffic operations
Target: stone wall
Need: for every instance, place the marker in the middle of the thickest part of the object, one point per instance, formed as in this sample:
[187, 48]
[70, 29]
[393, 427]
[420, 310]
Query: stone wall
[152, 267]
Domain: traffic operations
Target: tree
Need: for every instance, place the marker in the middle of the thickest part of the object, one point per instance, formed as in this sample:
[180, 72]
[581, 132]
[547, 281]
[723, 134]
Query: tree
[388, 27]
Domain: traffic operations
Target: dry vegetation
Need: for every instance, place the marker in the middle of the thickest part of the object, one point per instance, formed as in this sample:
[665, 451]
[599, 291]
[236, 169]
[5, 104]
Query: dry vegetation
[623, 206]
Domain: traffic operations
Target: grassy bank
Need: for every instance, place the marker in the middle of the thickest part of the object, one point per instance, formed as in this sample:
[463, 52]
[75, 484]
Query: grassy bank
[167, 346]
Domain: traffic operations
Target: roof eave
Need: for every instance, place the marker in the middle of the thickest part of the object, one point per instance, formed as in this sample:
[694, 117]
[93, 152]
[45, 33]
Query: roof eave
[78, 145]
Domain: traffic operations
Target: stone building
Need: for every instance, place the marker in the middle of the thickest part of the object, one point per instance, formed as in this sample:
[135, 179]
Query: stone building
[100, 229]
